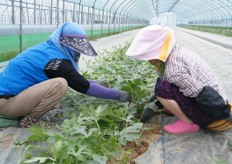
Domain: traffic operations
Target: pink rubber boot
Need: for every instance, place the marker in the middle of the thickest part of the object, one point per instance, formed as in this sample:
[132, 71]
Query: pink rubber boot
[181, 127]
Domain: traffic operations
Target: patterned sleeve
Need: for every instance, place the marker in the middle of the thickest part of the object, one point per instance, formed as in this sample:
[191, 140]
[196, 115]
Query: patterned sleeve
[64, 68]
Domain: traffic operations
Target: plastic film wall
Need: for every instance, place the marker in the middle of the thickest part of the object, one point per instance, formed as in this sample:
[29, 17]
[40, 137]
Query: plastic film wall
[24, 23]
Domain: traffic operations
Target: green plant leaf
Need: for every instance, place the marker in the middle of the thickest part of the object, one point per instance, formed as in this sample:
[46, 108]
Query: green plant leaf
[40, 160]
[97, 128]
[130, 133]
[99, 159]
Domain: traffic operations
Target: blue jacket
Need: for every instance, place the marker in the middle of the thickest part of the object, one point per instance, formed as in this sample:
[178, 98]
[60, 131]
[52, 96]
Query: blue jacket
[27, 68]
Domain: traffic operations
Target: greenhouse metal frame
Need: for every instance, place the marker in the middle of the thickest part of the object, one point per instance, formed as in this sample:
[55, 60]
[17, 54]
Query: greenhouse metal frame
[216, 12]
[24, 17]
[203, 27]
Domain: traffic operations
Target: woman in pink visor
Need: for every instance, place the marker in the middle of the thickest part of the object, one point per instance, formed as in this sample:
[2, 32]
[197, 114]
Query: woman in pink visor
[186, 87]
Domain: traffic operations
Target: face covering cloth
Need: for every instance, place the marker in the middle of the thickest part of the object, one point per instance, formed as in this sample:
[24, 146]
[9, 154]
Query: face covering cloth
[152, 42]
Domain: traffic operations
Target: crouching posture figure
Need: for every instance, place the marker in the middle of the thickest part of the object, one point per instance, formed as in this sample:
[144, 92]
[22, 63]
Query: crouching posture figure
[36, 79]
[186, 86]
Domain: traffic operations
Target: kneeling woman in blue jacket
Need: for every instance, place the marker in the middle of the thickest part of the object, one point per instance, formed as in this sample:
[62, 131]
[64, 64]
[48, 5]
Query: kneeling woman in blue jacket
[36, 80]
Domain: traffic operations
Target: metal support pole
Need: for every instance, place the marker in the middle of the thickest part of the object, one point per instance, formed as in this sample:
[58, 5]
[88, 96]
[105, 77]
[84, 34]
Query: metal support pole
[20, 26]
[57, 13]
[127, 7]
[51, 11]
[92, 21]
[28, 19]
[34, 11]
[73, 13]
[115, 15]
[102, 22]
[12, 12]
[79, 15]
[110, 16]
[40, 14]
[63, 8]
[82, 17]
[88, 19]
[103, 11]
[93, 18]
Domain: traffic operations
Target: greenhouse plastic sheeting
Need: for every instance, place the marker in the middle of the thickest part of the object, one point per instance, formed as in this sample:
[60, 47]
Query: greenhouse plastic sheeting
[193, 148]
[124, 7]
[197, 11]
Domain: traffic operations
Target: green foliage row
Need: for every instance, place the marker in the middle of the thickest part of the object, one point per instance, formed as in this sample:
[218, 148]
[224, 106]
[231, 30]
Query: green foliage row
[96, 128]
[226, 31]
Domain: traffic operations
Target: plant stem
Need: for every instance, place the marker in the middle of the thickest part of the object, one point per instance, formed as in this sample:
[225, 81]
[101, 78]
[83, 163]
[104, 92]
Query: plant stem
[98, 125]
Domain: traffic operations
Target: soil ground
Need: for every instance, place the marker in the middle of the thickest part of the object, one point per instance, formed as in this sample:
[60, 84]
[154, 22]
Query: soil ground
[148, 137]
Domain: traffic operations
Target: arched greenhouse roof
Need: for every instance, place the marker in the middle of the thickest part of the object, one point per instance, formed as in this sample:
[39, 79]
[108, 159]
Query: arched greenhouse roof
[93, 130]
[186, 10]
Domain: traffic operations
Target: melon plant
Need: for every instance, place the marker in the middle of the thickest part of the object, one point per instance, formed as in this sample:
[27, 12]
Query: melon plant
[226, 31]
[95, 130]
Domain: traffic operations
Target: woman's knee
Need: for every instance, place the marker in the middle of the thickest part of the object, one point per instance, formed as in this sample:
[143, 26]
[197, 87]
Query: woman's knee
[163, 99]
[61, 84]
